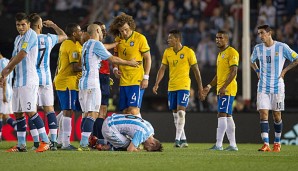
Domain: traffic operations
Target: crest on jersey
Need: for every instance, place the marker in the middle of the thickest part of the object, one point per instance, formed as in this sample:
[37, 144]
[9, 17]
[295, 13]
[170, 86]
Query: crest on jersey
[223, 55]
[181, 56]
[75, 55]
[294, 54]
[24, 45]
[132, 43]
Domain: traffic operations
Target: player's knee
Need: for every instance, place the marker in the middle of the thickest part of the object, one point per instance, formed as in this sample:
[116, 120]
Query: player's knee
[67, 113]
[181, 113]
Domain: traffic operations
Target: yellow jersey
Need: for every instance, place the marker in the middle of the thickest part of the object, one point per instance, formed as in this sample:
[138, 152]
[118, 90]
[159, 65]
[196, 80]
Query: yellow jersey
[179, 66]
[226, 59]
[69, 53]
[128, 49]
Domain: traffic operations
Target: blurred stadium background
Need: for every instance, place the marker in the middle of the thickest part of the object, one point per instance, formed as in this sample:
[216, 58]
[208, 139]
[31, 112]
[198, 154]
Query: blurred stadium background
[199, 20]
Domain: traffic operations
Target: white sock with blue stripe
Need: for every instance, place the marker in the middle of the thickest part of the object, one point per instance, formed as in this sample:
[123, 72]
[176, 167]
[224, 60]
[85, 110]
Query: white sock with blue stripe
[221, 130]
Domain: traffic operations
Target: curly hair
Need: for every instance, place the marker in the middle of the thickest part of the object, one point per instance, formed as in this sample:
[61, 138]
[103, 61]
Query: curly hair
[119, 21]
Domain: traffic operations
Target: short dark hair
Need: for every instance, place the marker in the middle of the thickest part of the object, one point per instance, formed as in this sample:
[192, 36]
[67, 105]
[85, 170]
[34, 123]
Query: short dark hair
[224, 33]
[21, 16]
[265, 27]
[33, 18]
[84, 28]
[98, 23]
[70, 28]
[176, 33]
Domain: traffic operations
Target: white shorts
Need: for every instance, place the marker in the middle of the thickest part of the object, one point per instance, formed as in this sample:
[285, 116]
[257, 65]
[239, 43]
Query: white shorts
[275, 102]
[90, 100]
[24, 99]
[5, 108]
[113, 136]
[45, 95]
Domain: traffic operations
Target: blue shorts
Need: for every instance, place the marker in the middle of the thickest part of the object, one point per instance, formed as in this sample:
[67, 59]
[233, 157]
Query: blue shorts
[104, 80]
[175, 98]
[225, 104]
[130, 96]
[69, 100]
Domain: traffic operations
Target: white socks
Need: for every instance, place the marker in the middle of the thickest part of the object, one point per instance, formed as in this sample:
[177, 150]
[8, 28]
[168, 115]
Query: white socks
[231, 131]
[183, 136]
[180, 124]
[60, 130]
[66, 127]
[221, 130]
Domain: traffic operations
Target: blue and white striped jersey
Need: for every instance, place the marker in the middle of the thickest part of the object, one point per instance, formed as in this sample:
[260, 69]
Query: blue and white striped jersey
[3, 64]
[92, 54]
[46, 42]
[25, 71]
[271, 63]
[138, 129]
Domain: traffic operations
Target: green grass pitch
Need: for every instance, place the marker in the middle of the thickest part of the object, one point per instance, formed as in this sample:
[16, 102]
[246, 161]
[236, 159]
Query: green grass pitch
[195, 157]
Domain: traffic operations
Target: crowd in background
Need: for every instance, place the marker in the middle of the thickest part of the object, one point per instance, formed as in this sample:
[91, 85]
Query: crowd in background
[199, 20]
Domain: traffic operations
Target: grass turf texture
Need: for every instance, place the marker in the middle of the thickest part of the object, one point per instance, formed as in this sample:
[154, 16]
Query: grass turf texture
[195, 157]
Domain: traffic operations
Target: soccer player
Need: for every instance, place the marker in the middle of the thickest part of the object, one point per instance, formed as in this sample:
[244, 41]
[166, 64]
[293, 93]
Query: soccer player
[66, 82]
[133, 81]
[25, 86]
[89, 85]
[225, 80]
[127, 132]
[104, 77]
[271, 88]
[179, 59]
[6, 97]
[45, 92]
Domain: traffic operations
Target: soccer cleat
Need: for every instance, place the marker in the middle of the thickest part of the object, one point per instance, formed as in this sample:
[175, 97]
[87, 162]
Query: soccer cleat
[69, 148]
[17, 149]
[265, 147]
[183, 144]
[177, 143]
[215, 148]
[42, 147]
[82, 148]
[231, 148]
[59, 146]
[53, 146]
[276, 147]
